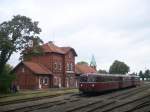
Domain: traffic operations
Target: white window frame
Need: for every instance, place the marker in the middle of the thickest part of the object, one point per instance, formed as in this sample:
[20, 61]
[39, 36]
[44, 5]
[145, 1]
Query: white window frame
[68, 67]
[60, 66]
[55, 66]
[45, 80]
[71, 67]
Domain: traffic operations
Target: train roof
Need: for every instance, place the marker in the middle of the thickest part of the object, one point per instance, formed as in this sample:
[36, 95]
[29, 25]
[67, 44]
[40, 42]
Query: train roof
[113, 75]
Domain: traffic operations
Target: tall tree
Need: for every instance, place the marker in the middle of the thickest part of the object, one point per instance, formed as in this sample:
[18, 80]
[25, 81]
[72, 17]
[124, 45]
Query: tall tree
[15, 35]
[102, 71]
[119, 67]
[147, 74]
[141, 75]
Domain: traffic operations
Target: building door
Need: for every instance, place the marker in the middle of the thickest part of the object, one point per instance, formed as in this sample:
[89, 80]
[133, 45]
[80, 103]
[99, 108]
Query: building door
[67, 81]
[40, 82]
[59, 82]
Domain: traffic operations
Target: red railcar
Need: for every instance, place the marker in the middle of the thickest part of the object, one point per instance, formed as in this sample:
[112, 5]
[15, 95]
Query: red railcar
[106, 82]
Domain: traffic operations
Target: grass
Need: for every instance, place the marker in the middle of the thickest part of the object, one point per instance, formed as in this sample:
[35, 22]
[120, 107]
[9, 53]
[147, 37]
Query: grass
[35, 94]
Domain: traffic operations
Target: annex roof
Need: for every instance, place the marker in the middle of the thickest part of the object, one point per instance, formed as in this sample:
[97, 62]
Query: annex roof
[37, 68]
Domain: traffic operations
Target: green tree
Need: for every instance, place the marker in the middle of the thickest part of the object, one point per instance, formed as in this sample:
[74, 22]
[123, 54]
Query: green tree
[102, 71]
[34, 50]
[119, 67]
[83, 63]
[141, 75]
[6, 79]
[147, 74]
[15, 35]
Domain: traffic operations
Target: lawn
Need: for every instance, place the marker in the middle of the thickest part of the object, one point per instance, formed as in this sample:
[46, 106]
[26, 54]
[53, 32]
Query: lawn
[35, 94]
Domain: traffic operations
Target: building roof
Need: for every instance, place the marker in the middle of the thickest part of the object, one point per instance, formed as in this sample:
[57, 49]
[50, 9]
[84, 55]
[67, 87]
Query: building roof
[83, 69]
[51, 47]
[37, 68]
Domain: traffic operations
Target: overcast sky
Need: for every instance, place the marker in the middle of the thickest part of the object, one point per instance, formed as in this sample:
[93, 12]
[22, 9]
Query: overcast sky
[108, 29]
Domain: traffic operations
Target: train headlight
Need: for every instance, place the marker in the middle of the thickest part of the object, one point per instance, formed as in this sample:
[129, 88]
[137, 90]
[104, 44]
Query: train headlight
[81, 85]
[93, 85]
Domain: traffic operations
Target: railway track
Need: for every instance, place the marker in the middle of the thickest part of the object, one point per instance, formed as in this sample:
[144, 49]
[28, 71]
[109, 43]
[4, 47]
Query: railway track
[134, 99]
[32, 106]
[109, 105]
[26, 100]
[90, 105]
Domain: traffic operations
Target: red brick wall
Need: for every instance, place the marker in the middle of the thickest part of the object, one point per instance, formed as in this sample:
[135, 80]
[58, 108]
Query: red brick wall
[57, 58]
[43, 59]
[69, 58]
[50, 59]
[70, 79]
[26, 79]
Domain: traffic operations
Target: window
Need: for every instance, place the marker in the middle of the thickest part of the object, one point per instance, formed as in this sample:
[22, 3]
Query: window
[91, 79]
[55, 66]
[71, 67]
[83, 79]
[68, 67]
[60, 66]
[45, 80]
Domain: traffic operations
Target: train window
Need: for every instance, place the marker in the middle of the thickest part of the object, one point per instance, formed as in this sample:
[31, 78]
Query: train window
[91, 79]
[98, 79]
[105, 79]
[83, 79]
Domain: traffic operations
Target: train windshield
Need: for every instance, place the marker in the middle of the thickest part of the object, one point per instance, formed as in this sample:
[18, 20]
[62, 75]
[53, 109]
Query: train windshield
[91, 79]
[83, 78]
[87, 78]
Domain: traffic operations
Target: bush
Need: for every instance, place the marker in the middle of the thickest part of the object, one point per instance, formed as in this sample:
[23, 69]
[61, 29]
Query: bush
[6, 79]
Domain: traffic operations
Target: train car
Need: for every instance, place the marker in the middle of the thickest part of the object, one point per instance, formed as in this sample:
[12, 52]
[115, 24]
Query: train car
[105, 82]
[136, 81]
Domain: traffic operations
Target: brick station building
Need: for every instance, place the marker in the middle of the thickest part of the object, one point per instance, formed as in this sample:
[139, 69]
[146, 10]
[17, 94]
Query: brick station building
[54, 68]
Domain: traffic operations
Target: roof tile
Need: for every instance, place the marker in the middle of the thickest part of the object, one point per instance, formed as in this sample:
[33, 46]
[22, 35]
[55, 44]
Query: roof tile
[37, 68]
[51, 47]
[82, 69]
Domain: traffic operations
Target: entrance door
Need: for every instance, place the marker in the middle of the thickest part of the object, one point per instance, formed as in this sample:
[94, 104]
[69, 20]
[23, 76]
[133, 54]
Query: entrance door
[40, 82]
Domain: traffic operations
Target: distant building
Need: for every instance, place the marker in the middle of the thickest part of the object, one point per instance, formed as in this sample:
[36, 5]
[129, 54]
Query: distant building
[83, 69]
[54, 68]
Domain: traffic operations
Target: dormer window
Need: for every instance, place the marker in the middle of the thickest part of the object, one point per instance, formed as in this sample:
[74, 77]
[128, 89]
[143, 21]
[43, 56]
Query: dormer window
[30, 43]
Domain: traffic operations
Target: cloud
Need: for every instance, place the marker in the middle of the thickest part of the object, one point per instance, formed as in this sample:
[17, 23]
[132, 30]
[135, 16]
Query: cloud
[109, 29]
